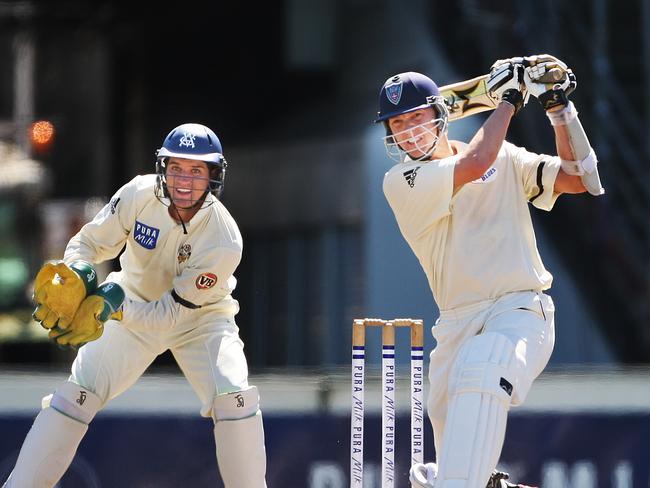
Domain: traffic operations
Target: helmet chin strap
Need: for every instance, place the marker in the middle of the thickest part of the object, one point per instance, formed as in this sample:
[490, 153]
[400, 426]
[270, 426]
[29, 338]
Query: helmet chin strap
[178, 214]
[191, 207]
[426, 156]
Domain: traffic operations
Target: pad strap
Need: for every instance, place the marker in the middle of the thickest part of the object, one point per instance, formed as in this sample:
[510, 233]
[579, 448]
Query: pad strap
[579, 168]
[236, 405]
[74, 401]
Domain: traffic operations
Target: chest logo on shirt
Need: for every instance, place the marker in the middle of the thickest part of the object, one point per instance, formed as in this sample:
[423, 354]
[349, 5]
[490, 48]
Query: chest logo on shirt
[410, 176]
[488, 177]
[145, 235]
[206, 280]
[184, 253]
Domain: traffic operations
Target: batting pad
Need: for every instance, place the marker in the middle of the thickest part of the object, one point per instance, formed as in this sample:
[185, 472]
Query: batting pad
[240, 452]
[480, 391]
[47, 450]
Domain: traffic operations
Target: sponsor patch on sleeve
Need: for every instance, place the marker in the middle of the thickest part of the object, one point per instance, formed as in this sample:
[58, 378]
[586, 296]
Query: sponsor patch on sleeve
[206, 280]
[113, 204]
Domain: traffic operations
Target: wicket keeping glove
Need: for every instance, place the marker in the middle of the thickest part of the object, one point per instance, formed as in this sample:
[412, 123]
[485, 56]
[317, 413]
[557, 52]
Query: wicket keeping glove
[59, 289]
[88, 323]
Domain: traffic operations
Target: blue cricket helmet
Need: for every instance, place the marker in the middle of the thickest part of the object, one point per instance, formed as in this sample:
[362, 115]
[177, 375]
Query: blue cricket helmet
[193, 141]
[407, 92]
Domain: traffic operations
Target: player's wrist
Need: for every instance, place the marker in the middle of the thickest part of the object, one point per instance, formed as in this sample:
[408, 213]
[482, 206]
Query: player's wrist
[553, 100]
[563, 116]
[513, 98]
[113, 296]
[86, 272]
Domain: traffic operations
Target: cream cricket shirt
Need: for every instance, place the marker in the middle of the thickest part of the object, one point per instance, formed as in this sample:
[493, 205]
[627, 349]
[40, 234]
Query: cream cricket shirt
[479, 243]
[159, 257]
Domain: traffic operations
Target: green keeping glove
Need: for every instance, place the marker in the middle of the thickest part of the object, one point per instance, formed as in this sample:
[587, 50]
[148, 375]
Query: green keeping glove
[59, 290]
[88, 323]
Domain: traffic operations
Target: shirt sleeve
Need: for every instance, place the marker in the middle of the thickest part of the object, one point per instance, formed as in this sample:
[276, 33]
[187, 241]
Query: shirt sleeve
[538, 173]
[194, 288]
[420, 195]
[210, 279]
[104, 237]
[159, 314]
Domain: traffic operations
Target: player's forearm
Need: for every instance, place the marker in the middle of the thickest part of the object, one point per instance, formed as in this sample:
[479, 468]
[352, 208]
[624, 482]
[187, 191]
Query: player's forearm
[484, 146]
[95, 243]
[565, 183]
[162, 313]
[563, 143]
[80, 250]
[581, 159]
[486, 143]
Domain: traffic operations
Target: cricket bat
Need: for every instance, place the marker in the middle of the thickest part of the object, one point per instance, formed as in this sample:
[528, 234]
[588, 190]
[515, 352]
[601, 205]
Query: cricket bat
[471, 97]
[468, 97]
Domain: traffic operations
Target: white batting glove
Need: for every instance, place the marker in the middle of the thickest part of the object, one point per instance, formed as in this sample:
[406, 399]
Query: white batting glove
[537, 59]
[549, 85]
[505, 83]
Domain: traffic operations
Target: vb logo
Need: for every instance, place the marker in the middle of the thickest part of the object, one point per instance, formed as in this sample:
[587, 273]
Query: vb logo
[82, 397]
[206, 280]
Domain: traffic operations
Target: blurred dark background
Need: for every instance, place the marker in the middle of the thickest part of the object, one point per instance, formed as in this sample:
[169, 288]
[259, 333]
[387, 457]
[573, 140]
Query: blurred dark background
[290, 87]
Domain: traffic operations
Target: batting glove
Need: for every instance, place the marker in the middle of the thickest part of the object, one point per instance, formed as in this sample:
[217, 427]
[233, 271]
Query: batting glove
[505, 84]
[550, 85]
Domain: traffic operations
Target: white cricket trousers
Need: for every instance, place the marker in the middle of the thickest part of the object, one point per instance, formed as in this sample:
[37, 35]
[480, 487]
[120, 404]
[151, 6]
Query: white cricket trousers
[522, 320]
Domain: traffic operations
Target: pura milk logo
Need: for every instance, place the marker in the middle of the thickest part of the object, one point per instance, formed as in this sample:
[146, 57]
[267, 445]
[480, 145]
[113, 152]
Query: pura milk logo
[146, 235]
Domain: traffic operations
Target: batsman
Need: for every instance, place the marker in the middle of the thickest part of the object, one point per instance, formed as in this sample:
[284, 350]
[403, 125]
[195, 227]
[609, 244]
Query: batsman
[464, 210]
[180, 248]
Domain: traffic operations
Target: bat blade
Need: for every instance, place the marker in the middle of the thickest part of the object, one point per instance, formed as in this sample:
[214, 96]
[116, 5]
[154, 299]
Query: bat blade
[467, 98]
[471, 97]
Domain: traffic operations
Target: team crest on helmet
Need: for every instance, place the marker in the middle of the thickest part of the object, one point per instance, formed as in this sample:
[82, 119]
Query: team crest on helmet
[184, 253]
[187, 140]
[394, 93]
[206, 280]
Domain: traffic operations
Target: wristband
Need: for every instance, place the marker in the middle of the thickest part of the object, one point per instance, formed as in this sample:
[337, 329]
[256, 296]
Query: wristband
[87, 274]
[564, 116]
[113, 296]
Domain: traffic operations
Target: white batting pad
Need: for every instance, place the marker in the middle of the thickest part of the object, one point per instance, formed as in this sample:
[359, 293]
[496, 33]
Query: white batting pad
[47, 451]
[240, 452]
[480, 391]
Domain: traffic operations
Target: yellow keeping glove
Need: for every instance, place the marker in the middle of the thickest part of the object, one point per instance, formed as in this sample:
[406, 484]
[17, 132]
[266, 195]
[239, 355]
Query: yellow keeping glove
[59, 290]
[88, 323]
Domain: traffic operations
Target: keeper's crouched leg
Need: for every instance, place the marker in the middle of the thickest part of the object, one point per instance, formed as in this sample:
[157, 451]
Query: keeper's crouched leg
[53, 440]
[239, 436]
